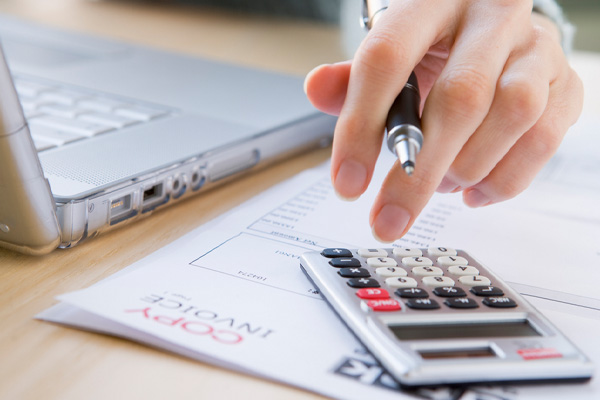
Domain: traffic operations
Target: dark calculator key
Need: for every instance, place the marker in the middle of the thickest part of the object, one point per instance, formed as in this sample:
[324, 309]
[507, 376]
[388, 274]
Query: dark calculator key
[499, 302]
[344, 262]
[363, 282]
[461, 302]
[412, 293]
[449, 291]
[354, 273]
[487, 291]
[336, 252]
[423, 304]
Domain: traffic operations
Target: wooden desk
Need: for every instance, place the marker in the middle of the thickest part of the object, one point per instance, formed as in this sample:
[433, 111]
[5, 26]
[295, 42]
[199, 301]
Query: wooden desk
[42, 361]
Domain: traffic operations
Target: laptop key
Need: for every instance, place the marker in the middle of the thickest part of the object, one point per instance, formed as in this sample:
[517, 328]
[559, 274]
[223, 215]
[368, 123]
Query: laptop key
[30, 89]
[70, 125]
[140, 113]
[60, 110]
[101, 104]
[54, 136]
[41, 145]
[63, 97]
[116, 121]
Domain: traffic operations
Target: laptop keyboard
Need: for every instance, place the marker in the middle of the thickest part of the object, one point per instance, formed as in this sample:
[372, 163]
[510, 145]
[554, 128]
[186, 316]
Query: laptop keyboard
[59, 115]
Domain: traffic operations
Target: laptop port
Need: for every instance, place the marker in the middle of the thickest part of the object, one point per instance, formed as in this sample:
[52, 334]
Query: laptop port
[153, 197]
[153, 193]
[121, 208]
[197, 180]
[178, 187]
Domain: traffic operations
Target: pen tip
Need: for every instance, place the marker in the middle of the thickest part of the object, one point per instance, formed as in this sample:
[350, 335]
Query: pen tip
[409, 168]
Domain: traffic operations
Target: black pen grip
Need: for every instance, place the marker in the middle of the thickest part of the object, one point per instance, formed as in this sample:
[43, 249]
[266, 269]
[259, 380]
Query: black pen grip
[405, 109]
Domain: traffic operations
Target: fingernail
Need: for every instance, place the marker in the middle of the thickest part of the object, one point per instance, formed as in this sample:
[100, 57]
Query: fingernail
[390, 223]
[446, 186]
[350, 180]
[475, 198]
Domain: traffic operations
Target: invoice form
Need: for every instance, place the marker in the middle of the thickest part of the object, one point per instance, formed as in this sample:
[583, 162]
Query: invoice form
[231, 292]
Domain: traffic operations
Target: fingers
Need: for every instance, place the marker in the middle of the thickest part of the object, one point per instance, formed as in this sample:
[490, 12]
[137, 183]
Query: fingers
[515, 172]
[379, 71]
[457, 105]
[326, 86]
[519, 101]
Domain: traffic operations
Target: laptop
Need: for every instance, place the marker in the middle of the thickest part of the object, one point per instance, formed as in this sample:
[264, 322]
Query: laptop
[96, 134]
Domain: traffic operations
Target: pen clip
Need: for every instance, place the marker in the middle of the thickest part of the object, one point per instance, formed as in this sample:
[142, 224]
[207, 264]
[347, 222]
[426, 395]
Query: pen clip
[371, 9]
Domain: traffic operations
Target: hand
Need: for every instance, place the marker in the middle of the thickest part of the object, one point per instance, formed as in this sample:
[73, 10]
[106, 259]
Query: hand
[497, 98]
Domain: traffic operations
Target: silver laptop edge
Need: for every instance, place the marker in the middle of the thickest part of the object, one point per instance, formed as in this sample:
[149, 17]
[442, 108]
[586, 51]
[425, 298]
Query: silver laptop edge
[28, 223]
[33, 221]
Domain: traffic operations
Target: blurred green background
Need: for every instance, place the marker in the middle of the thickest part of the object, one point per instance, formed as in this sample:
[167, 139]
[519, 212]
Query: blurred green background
[585, 15]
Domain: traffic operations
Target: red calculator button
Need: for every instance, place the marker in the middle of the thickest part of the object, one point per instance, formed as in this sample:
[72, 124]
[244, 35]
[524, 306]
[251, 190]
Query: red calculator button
[384, 305]
[372, 293]
[538, 354]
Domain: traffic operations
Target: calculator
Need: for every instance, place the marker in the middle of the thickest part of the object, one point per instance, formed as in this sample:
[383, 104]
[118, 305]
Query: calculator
[436, 316]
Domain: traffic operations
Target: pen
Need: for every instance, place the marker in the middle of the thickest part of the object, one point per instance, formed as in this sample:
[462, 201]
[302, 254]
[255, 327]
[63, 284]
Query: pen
[403, 125]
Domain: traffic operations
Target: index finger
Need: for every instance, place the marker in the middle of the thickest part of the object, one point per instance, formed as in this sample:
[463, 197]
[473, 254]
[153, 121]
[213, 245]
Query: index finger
[379, 70]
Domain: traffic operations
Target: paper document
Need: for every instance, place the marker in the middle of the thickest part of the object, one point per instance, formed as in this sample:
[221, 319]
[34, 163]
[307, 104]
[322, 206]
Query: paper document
[231, 292]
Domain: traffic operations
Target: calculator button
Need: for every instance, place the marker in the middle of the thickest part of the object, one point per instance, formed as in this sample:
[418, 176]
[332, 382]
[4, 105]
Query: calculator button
[354, 273]
[363, 283]
[366, 253]
[401, 282]
[437, 281]
[449, 291]
[463, 270]
[423, 304]
[499, 302]
[487, 291]
[391, 271]
[475, 280]
[412, 293]
[447, 261]
[441, 251]
[400, 252]
[417, 261]
[377, 262]
[344, 262]
[384, 305]
[539, 353]
[373, 294]
[337, 252]
[461, 302]
[427, 271]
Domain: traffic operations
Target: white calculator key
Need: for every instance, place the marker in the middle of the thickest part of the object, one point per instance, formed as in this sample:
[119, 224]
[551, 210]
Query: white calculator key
[427, 271]
[401, 282]
[438, 281]
[446, 261]
[377, 262]
[416, 261]
[387, 272]
[401, 252]
[440, 251]
[475, 280]
[366, 253]
[463, 270]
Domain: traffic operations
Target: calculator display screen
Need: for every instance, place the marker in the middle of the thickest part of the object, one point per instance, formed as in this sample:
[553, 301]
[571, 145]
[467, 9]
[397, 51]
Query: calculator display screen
[461, 331]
